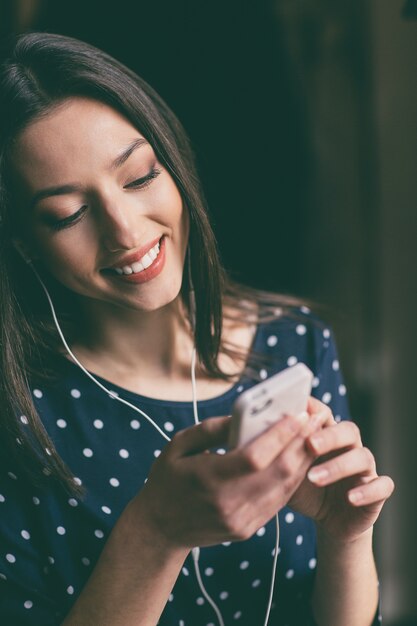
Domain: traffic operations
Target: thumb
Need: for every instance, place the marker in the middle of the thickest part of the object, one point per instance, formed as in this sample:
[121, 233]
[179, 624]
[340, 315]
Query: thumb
[211, 432]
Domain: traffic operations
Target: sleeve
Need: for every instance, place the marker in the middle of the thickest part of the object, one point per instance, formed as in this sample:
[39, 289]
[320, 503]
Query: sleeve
[329, 387]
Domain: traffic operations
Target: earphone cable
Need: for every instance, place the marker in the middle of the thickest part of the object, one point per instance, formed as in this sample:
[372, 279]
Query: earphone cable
[274, 570]
[108, 391]
[195, 551]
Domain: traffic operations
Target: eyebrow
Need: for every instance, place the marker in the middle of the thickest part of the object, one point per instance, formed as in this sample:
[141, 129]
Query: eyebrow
[62, 190]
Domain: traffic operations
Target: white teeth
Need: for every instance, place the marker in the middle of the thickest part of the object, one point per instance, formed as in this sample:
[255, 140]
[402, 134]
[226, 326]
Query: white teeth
[139, 266]
[146, 260]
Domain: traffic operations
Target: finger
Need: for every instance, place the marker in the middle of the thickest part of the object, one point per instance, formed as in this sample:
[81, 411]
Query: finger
[342, 435]
[261, 451]
[316, 406]
[375, 491]
[211, 432]
[317, 421]
[296, 454]
[351, 463]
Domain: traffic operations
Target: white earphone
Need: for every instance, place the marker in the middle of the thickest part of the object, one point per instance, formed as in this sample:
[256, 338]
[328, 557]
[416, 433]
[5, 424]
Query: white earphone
[20, 249]
[195, 551]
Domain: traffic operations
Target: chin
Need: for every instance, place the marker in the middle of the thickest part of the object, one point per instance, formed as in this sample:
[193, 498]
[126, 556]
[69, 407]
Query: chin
[159, 300]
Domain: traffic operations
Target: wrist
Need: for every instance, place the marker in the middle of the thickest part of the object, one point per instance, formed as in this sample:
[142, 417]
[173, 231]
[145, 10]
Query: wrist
[340, 540]
[136, 525]
[340, 550]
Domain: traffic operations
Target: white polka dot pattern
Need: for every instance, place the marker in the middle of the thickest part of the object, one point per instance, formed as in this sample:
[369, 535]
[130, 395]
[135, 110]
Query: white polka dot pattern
[301, 329]
[112, 451]
[272, 341]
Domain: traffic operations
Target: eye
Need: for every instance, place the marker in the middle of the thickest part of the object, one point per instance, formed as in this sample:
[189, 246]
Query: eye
[67, 221]
[145, 181]
[139, 183]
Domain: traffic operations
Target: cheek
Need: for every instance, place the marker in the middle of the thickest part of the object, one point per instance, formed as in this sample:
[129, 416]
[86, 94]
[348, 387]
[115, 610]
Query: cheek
[170, 199]
[72, 254]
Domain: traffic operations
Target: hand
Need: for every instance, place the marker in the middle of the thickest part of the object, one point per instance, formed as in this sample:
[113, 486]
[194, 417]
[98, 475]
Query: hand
[196, 498]
[342, 492]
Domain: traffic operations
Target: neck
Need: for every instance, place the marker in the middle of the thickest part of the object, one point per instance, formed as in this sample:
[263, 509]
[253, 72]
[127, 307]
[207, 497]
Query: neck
[154, 344]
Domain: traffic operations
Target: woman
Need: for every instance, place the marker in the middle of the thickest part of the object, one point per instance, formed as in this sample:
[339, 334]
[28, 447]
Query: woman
[101, 211]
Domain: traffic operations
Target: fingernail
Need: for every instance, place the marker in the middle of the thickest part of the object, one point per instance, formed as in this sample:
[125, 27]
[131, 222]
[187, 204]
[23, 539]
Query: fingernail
[316, 442]
[317, 419]
[356, 496]
[317, 474]
[302, 417]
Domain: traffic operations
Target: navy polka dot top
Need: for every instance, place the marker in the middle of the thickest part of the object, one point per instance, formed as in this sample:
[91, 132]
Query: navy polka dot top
[50, 542]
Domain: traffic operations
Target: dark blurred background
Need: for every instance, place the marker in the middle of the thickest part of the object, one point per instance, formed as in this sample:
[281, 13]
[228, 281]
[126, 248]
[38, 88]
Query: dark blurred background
[303, 118]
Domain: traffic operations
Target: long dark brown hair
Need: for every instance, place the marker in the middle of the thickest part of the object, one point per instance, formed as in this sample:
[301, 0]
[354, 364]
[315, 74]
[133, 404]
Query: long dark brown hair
[41, 70]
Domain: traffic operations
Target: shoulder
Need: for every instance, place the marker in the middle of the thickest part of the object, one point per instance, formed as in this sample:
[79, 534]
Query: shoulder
[298, 332]
[301, 336]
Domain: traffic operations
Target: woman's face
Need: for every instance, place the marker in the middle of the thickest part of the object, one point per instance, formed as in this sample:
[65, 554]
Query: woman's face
[92, 198]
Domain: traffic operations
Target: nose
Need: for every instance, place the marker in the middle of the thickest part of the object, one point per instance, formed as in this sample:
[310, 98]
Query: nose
[118, 224]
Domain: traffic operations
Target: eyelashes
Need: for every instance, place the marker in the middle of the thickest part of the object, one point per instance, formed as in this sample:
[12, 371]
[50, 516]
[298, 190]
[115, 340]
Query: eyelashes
[145, 181]
[67, 222]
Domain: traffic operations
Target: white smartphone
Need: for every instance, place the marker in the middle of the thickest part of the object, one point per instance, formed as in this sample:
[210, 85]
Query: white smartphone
[261, 406]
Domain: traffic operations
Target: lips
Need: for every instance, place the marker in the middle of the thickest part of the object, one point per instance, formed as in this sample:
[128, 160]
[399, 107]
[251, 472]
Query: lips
[135, 256]
[145, 275]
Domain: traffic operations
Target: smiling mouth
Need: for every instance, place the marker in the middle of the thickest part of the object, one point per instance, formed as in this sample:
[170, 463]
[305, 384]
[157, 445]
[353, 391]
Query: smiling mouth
[143, 270]
[139, 266]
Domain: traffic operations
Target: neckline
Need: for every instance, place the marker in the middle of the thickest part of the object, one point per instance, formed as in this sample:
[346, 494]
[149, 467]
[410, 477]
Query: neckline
[169, 403]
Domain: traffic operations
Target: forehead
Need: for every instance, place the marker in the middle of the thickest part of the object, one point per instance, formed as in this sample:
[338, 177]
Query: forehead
[77, 133]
